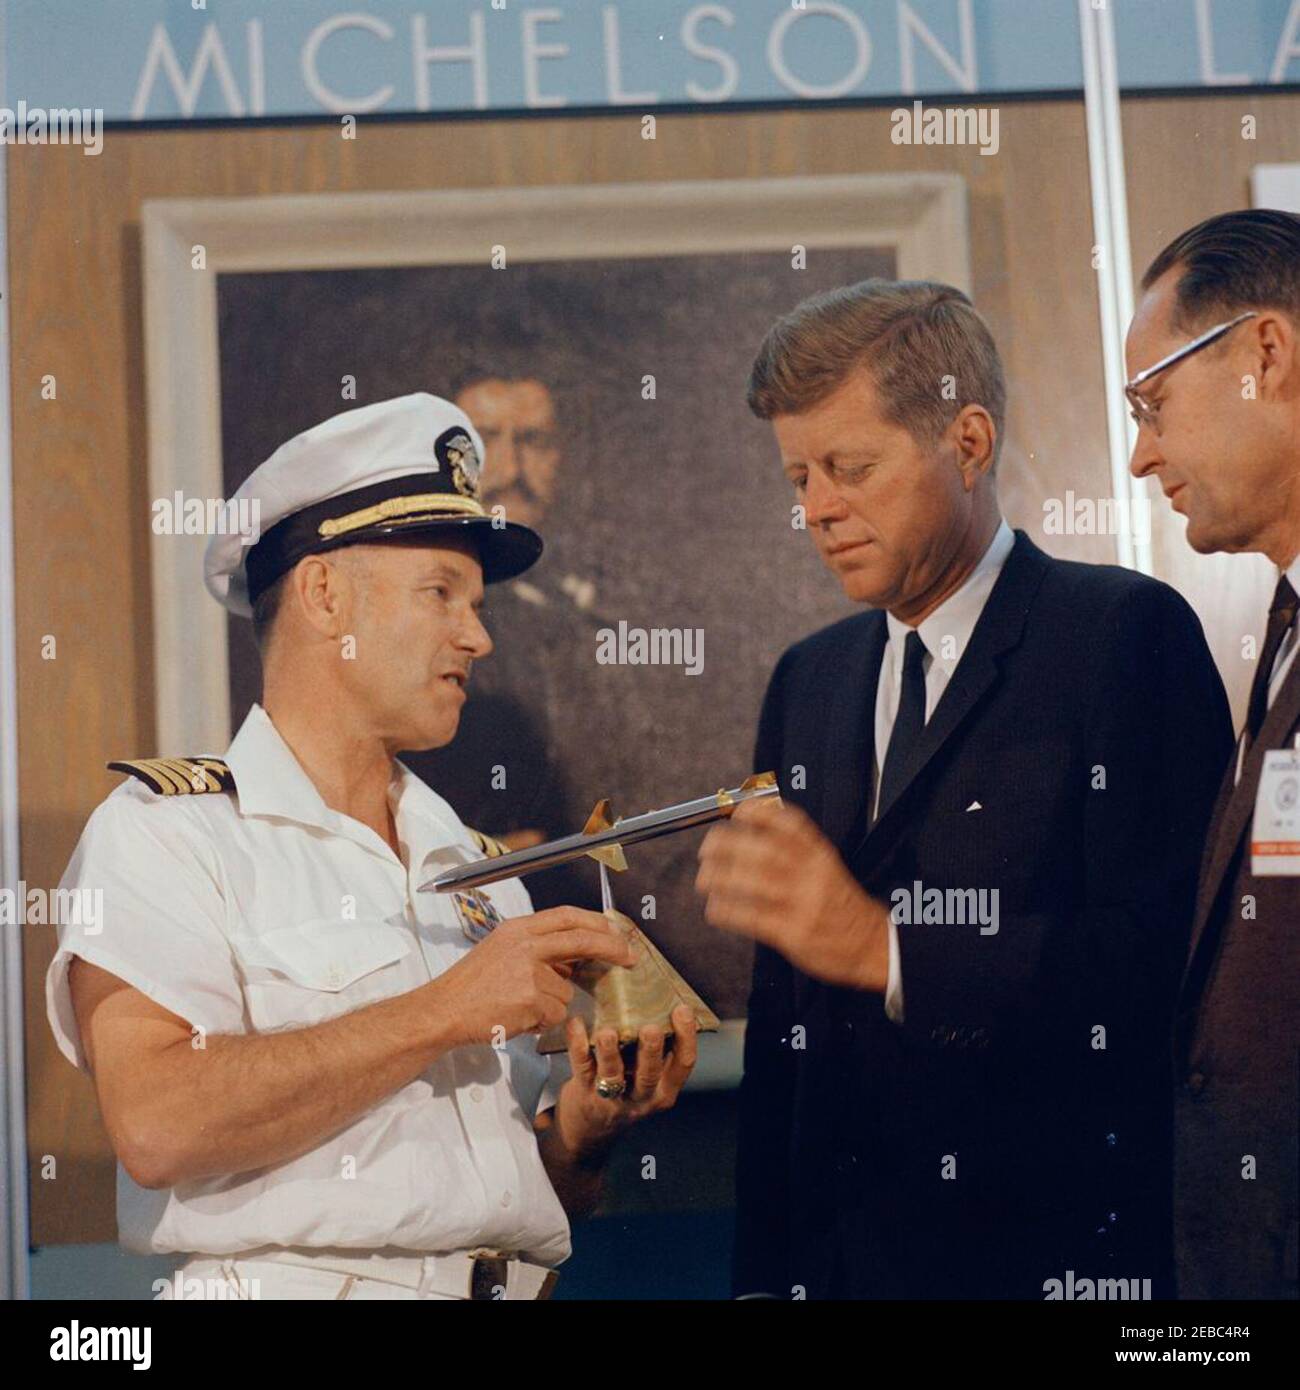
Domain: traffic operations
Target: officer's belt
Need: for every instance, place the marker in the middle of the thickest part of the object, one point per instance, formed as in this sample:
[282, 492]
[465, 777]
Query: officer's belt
[474, 1274]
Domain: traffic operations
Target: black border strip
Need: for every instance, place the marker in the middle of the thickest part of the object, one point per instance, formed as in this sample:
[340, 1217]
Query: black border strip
[687, 108]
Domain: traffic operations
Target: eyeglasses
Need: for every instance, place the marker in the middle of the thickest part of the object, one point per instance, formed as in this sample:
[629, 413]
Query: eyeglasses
[1145, 412]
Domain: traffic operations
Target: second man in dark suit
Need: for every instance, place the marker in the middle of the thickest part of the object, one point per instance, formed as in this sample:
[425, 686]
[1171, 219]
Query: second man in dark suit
[971, 909]
[1216, 348]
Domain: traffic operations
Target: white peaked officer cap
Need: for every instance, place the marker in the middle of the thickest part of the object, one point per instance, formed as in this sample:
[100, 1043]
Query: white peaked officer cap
[409, 466]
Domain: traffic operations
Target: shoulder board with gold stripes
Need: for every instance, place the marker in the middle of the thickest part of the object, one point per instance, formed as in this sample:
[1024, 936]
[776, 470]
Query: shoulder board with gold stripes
[490, 848]
[179, 776]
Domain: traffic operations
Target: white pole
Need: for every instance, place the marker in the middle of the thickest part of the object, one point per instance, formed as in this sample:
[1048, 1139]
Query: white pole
[13, 1143]
[1114, 272]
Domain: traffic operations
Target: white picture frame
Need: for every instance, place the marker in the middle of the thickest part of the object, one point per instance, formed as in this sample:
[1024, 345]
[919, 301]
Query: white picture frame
[188, 243]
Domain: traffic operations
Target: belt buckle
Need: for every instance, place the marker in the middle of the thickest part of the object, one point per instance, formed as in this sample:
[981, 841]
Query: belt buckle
[490, 1272]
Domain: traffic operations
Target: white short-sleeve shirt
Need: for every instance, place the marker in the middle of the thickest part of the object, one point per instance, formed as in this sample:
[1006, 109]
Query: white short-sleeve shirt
[263, 910]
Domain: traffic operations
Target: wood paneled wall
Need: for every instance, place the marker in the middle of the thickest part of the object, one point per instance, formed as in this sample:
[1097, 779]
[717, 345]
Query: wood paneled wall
[81, 488]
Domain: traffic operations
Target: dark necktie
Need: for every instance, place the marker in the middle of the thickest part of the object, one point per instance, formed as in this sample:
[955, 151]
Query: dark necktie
[909, 721]
[1280, 617]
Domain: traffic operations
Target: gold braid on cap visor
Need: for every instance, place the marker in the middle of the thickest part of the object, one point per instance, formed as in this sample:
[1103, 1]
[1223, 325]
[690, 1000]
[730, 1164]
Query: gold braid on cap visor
[424, 506]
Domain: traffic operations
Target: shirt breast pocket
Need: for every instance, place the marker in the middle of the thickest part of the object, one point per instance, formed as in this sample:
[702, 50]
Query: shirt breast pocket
[320, 969]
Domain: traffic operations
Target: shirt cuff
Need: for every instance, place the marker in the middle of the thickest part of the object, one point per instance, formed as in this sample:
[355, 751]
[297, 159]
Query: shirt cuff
[894, 978]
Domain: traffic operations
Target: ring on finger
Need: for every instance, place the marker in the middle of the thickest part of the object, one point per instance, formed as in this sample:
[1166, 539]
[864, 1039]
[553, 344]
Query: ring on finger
[610, 1087]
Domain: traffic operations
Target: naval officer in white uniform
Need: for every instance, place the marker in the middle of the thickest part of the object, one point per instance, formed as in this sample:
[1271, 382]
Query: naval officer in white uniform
[320, 1082]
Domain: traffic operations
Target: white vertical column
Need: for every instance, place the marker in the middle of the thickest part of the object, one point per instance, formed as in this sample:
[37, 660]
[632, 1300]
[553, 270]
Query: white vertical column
[13, 1141]
[1115, 273]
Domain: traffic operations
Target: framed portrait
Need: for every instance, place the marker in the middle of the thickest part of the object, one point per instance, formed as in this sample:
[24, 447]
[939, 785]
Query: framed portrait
[601, 339]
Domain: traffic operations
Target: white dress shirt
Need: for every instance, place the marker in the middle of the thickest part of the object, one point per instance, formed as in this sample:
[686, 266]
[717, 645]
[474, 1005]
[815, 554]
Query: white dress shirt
[945, 634]
[265, 910]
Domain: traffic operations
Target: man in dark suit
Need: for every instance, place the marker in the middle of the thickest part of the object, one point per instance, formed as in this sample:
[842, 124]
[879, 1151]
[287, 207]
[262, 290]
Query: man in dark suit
[1215, 346]
[970, 908]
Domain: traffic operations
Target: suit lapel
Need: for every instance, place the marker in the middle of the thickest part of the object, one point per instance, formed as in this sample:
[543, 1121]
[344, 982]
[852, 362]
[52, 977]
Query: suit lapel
[1213, 863]
[850, 732]
[1236, 802]
[998, 630]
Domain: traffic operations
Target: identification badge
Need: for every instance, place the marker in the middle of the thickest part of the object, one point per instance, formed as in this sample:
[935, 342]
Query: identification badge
[1275, 830]
[477, 914]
